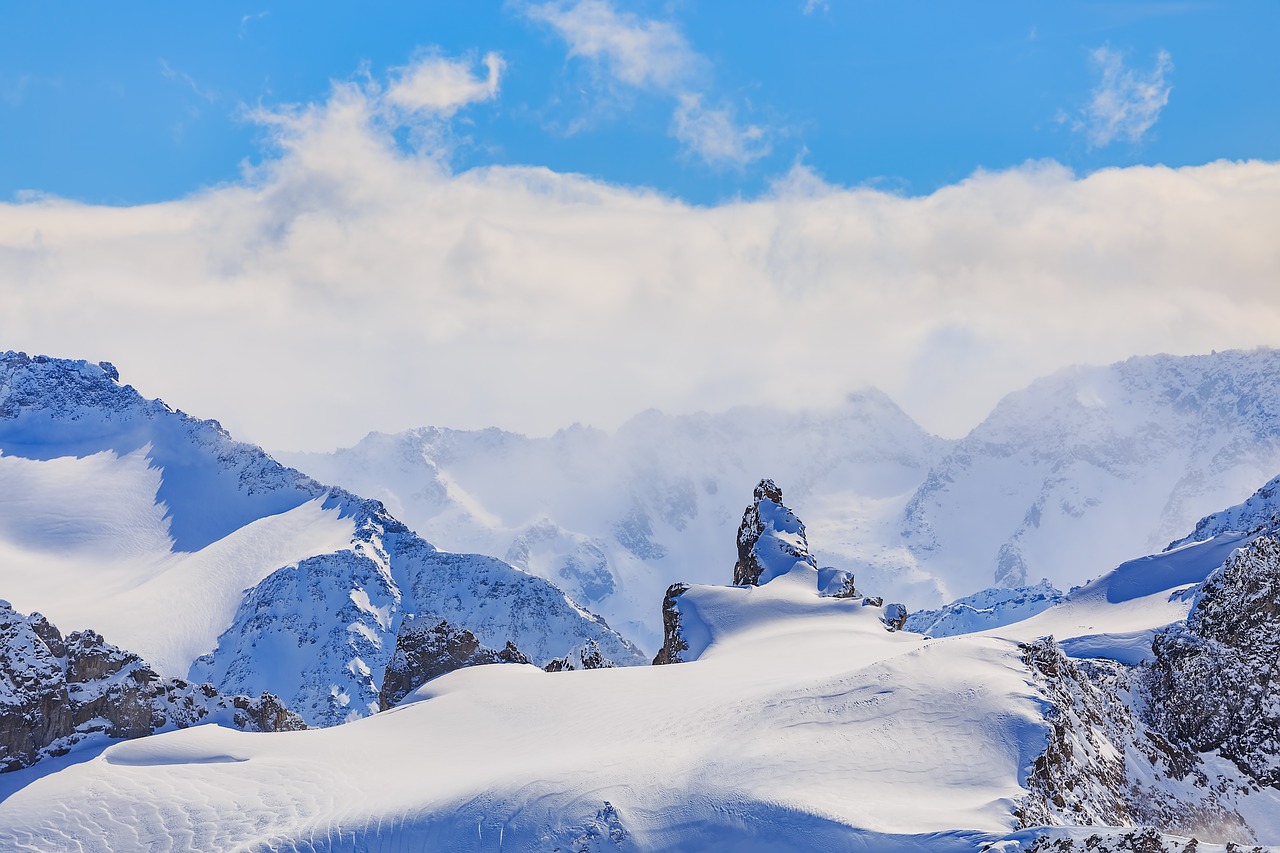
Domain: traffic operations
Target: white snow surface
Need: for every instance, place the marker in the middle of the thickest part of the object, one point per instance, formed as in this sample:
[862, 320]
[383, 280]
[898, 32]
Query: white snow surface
[1115, 616]
[1079, 471]
[803, 725]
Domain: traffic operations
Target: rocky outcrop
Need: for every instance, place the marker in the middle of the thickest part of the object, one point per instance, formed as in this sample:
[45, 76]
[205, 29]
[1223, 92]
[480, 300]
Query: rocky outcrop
[672, 641]
[1103, 767]
[895, 616]
[585, 656]
[58, 692]
[425, 650]
[1215, 681]
[771, 539]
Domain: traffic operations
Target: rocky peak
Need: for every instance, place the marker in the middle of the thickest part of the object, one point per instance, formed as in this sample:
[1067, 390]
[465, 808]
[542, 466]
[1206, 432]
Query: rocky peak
[427, 649]
[673, 642]
[771, 539]
[585, 656]
[56, 693]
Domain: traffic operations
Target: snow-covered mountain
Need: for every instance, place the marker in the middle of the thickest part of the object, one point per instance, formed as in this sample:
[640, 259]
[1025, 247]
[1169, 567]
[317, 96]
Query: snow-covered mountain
[213, 562]
[791, 720]
[614, 518]
[1094, 465]
[1078, 472]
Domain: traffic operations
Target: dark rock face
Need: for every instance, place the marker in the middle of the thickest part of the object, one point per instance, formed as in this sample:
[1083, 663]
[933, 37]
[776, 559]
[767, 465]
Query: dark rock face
[56, 692]
[425, 650]
[766, 513]
[586, 656]
[1104, 767]
[1215, 681]
[672, 643]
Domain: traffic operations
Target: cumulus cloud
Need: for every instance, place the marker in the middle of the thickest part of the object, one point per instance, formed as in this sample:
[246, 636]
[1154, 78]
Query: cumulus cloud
[1126, 103]
[346, 284]
[654, 55]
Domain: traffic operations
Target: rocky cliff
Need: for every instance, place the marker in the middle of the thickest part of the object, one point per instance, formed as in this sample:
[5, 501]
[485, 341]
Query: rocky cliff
[58, 692]
[425, 650]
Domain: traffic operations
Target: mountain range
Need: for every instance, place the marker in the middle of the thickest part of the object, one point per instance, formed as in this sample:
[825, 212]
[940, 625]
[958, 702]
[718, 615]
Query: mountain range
[1076, 473]
[372, 692]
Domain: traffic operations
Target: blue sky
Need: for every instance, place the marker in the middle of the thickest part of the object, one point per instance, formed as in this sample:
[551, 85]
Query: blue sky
[312, 220]
[140, 102]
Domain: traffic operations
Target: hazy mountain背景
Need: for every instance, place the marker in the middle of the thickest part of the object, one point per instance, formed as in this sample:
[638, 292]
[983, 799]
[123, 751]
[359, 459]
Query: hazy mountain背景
[1077, 472]
[792, 714]
[215, 563]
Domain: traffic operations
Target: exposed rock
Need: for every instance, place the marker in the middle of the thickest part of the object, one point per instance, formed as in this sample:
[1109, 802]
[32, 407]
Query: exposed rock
[1215, 681]
[58, 692]
[585, 656]
[836, 583]
[1141, 840]
[771, 539]
[425, 650]
[672, 642]
[1103, 767]
[895, 616]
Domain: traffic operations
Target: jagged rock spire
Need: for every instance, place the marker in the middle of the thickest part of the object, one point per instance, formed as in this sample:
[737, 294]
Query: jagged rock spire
[771, 539]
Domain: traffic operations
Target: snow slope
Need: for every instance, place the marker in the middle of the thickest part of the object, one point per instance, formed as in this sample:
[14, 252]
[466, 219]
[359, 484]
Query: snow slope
[803, 725]
[211, 560]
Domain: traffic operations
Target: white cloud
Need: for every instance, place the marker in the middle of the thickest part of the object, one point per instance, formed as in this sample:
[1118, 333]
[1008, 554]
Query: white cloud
[639, 52]
[345, 285]
[1126, 103]
[714, 136]
[655, 56]
[438, 85]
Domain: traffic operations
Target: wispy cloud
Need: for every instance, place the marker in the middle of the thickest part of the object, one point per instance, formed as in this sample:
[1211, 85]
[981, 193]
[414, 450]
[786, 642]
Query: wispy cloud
[655, 56]
[361, 116]
[1126, 103]
[638, 51]
[247, 19]
[171, 73]
[714, 135]
[440, 86]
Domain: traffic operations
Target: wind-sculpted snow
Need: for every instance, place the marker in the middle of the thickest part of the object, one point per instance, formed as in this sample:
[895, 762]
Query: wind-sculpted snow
[125, 515]
[803, 725]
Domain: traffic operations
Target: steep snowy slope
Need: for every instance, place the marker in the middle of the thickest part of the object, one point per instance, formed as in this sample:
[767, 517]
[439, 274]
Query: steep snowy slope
[615, 518]
[208, 558]
[1095, 465]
